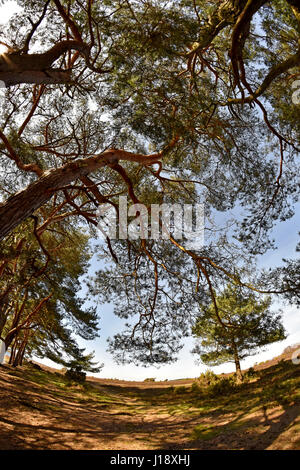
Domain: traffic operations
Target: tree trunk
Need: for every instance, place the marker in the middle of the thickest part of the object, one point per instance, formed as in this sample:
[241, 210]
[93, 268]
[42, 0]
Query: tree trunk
[13, 351]
[36, 77]
[18, 359]
[239, 374]
[20, 206]
[23, 353]
[16, 327]
[22, 348]
[18, 67]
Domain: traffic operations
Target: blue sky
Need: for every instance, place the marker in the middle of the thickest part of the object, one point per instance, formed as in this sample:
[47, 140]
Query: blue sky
[286, 235]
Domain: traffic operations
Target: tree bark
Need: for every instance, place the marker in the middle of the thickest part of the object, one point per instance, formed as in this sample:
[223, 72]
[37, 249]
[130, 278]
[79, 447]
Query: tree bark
[17, 67]
[238, 369]
[13, 352]
[2, 351]
[225, 14]
[36, 77]
[16, 326]
[20, 206]
[19, 356]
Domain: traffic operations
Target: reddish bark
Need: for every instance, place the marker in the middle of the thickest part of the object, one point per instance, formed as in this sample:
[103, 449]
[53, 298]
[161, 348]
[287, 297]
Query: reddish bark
[18, 67]
[20, 206]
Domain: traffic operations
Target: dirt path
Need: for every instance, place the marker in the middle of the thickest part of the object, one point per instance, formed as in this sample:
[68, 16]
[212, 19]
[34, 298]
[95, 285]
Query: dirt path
[39, 416]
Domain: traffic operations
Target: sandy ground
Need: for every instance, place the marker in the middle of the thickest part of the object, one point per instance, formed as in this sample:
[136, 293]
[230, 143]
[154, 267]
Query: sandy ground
[135, 416]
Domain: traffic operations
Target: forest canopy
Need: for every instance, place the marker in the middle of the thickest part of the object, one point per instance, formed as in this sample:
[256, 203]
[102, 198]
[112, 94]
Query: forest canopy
[175, 102]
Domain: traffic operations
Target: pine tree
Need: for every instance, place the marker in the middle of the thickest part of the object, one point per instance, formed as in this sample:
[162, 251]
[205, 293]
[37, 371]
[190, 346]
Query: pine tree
[247, 324]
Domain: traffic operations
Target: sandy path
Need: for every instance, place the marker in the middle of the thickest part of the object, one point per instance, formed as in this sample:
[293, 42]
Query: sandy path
[33, 417]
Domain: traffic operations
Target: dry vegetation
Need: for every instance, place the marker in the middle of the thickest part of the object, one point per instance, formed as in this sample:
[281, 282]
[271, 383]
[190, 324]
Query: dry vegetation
[42, 410]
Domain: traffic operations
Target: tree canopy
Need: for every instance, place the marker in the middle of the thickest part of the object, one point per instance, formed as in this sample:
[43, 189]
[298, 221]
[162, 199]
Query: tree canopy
[39, 307]
[248, 325]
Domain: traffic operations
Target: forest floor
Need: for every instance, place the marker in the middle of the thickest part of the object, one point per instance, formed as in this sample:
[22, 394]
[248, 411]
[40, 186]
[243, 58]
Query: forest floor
[40, 409]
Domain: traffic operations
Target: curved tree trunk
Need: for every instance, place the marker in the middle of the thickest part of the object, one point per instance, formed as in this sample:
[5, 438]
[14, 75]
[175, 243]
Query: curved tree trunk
[37, 77]
[17, 326]
[18, 67]
[20, 206]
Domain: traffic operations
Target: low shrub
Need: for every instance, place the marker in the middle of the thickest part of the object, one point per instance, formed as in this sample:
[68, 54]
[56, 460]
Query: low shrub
[250, 374]
[195, 387]
[223, 386]
[207, 378]
[76, 375]
[180, 389]
[198, 390]
[34, 365]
